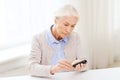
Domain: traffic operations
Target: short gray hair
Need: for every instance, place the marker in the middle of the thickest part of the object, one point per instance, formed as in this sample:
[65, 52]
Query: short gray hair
[67, 10]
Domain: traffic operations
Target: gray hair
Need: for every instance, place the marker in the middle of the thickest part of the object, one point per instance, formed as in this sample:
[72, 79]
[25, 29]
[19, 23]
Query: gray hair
[67, 10]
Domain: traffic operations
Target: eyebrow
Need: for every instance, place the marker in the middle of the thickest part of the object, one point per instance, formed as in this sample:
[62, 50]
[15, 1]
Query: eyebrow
[69, 23]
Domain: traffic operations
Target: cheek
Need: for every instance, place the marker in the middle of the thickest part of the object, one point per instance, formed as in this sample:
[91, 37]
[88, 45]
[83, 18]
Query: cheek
[72, 29]
[59, 30]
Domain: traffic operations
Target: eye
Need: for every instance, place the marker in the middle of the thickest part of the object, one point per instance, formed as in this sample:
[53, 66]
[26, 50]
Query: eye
[66, 24]
[72, 26]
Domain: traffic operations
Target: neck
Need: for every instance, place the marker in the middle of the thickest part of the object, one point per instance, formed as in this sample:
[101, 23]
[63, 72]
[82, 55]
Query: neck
[55, 34]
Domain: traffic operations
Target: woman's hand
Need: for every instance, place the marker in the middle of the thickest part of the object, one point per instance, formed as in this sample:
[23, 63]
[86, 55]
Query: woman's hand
[79, 67]
[62, 65]
[65, 65]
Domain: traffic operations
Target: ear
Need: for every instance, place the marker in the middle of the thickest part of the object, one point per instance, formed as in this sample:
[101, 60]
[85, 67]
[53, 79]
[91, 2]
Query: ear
[55, 20]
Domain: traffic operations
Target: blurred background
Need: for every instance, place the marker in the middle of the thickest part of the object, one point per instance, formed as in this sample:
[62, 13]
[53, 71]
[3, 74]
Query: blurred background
[20, 20]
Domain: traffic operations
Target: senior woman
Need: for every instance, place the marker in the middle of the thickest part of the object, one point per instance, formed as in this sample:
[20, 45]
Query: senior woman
[55, 49]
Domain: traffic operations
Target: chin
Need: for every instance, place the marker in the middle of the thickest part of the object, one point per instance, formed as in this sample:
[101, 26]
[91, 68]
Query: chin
[64, 36]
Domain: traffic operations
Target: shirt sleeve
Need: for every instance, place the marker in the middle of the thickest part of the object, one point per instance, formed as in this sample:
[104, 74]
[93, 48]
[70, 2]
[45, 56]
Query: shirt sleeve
[35, 66]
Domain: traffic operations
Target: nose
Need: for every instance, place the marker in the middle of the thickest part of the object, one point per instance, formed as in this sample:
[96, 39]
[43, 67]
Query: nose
[68, 29]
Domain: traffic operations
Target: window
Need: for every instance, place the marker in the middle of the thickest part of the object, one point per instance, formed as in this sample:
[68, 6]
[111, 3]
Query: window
[21, 19]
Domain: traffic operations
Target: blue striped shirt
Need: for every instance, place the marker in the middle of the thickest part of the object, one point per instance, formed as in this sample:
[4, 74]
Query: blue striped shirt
[57, 46]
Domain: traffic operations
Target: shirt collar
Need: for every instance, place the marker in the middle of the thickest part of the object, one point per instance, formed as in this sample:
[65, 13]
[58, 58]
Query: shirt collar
[52, 39]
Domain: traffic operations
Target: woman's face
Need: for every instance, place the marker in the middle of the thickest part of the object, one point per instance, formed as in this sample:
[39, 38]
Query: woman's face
[65, 25]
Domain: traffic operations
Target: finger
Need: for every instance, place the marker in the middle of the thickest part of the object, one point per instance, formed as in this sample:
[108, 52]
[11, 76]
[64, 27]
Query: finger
[56, 68]
[64, 68]
[82, 66]
[78, 67]
[65, 63]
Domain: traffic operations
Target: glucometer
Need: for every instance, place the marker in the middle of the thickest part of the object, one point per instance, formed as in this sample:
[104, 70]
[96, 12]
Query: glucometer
[79, 62]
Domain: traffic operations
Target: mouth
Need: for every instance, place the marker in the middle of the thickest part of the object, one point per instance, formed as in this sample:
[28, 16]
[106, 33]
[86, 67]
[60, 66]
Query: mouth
[65, 34]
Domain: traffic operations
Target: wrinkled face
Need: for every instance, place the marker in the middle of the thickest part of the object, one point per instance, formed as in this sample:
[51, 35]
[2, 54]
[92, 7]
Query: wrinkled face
[65, 25]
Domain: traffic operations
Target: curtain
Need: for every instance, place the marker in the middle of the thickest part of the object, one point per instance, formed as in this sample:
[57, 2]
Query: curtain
[94, 28]
[116, 28]
[100, 35]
